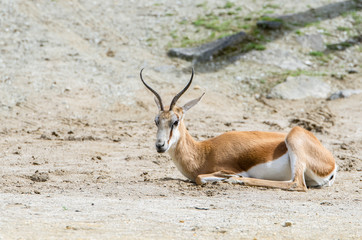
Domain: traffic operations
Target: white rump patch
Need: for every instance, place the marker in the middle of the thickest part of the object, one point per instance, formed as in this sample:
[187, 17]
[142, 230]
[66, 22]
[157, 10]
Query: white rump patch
[313, 180]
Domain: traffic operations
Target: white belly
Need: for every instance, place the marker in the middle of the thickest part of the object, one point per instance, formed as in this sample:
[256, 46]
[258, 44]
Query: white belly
[277, 170]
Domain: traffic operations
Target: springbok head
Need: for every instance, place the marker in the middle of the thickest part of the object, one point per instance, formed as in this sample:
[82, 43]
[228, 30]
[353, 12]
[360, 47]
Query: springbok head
[169, 120]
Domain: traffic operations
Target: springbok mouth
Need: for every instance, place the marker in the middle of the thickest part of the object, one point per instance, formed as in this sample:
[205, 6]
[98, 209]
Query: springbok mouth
[160, 150]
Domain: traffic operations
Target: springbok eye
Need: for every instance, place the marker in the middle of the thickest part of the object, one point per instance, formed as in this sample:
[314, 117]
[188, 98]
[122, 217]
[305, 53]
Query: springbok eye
[175, 123]
[157, 121]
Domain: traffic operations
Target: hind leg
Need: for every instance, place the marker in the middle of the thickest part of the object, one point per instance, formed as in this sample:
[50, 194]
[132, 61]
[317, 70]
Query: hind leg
[296, 185]
[313, 164]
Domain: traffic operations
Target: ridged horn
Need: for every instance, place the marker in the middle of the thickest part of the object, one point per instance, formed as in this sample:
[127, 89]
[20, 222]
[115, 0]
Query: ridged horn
[153, 91]
[174, 100]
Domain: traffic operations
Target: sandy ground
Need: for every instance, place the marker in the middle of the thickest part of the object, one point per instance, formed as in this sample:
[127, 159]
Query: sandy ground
[77, 132]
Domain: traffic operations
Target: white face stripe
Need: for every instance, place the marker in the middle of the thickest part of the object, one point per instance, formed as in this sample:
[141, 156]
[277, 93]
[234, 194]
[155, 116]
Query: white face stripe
[175, 137]
[167, 133]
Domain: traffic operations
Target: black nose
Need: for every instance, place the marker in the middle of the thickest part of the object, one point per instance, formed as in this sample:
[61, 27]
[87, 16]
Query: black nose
[159, 146]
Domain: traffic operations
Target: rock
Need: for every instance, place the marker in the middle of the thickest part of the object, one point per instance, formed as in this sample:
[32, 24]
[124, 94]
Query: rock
[300, 87]
[352, 71]
[270, 25]
[39, 176]
[339, 76]
[110, 53]
[344, 146]
[287, 224]
[165, 68]
[312, 42]
[276, 56]
[43, 136]
[309, 63]
[206, 51]
[344, 93]
[325, 203]
[341, 46]
[201, 208]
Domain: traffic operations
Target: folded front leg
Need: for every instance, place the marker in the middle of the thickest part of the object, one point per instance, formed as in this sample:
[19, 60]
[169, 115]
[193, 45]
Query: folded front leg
[214, 177]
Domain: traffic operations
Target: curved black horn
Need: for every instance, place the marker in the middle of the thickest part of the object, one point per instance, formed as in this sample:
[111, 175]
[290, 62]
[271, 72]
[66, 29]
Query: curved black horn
[174, 100]
[153, 91]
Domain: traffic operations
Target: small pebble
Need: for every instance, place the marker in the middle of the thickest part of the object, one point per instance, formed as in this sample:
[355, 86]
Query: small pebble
[352, 71]
[39, 176]
[287, 224]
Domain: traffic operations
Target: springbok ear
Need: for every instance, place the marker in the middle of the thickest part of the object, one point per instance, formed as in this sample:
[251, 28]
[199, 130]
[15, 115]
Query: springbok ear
[192, 103]
[157, 103]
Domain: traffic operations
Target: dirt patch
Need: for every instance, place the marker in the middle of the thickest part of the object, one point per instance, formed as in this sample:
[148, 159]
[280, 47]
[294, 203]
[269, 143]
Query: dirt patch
[319, 119]
[39, 176]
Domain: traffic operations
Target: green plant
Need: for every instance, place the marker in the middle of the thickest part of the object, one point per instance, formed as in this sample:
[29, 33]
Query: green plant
[321, 56]
[316, 24]
[270, 19]
[327, 34]
[299, 72]
[254, 46]
[274, 6]
[204, 4]
[299, 33]
[173, 34]
[222, 22]
[245, 26]
[316, 54]
[357, 17]
[343, 29]
[229, 4]
[150, 41]
[258, 35]
[186, 41]
[214, 23]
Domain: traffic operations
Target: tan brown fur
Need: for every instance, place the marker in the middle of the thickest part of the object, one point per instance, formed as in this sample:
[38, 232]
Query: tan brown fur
[297, 156]
[311, 151]
[235, 152]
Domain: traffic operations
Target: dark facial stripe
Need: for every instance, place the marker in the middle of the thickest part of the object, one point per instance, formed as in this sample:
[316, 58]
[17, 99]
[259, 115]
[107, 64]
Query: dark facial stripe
[168, 142]
[169, 139]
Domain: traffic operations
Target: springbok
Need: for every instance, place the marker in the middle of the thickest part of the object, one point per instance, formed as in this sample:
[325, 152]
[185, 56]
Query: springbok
[292, 161]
